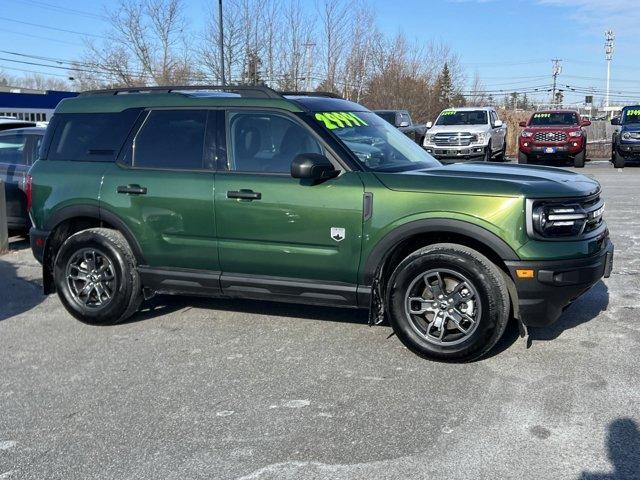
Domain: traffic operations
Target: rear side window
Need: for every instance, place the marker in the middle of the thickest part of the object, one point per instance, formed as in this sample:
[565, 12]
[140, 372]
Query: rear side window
[172, 139]
[12, 149]
[90, 137]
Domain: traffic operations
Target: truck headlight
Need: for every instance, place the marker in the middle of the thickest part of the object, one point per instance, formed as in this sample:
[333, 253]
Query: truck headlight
[558, 220]
[626, 136]
[428, 138]
[481, 137]
[577, 133]
[526, 134]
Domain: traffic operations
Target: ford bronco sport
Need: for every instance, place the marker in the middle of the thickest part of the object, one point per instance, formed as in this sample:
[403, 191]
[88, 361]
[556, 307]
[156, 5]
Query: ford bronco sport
[242, 192]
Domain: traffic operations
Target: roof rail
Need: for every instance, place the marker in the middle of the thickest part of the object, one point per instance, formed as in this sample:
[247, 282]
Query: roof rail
[311, 94]
[255, 91]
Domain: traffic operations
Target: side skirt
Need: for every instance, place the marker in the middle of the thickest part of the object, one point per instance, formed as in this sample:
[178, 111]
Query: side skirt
[175, 281]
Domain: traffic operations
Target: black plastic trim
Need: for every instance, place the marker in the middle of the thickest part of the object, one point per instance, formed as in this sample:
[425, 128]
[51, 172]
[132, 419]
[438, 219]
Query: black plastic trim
[180, 281]
[435, 225]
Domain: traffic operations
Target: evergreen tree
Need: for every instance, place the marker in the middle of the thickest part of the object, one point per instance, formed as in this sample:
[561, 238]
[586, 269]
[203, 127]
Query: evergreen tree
[444, 88]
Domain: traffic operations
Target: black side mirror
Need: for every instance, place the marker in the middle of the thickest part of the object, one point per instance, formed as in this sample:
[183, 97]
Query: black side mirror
[615, 121]
[313, 166]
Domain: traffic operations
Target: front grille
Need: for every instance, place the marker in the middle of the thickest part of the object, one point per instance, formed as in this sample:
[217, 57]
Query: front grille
[550, 137]
[594, 208]
[454, 139]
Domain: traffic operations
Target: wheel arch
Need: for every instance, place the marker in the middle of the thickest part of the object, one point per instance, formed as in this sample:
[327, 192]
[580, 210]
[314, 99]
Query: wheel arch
[72, 219]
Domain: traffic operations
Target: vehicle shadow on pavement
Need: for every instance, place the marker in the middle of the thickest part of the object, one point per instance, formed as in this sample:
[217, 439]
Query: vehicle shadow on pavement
[165, 304]
[17, 295]
[582, 311]
[623, 451]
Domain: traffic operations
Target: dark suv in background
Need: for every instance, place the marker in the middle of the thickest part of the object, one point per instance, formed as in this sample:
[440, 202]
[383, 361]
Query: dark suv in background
[18, 150]
[625, 144]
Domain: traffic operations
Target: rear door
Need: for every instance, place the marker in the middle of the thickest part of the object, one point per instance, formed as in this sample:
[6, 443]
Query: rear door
[275, 230]
[161, 187]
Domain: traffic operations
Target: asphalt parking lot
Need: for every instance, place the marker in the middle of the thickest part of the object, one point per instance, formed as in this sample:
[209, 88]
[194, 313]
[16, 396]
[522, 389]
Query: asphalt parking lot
[193, 388]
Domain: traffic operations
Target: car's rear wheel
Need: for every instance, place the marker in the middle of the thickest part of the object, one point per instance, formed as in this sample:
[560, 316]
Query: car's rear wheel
[578, 160]
[523, 158]
[96, 277]
[618, 160]
[448, 302]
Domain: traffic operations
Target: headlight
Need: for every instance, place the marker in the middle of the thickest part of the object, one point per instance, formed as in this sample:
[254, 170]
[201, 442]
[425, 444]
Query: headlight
[428, 138]
[482, 137]
[577, 133]
[626, 136]
[558, 220]
[526, 134]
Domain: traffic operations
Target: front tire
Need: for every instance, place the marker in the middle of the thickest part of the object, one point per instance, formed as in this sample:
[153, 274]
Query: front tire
[502, 156]
[618, 160]
[448, 302]
[488, 153]
[523, 158]
[578, 160]
[96, 277]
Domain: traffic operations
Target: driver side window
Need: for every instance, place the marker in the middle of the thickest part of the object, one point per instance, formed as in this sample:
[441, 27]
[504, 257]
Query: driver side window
[266, 142]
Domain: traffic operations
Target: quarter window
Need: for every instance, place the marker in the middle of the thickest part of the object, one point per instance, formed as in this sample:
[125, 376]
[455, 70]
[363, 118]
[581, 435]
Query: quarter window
[171, 139]
[267, 142]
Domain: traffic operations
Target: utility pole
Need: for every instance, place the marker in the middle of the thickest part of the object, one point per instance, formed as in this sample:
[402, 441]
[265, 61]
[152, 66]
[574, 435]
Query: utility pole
[220, 23]
[309, 49]
[609, 38]
[557, 69]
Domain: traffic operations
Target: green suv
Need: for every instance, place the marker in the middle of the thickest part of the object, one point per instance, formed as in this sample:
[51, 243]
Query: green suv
[243, 192]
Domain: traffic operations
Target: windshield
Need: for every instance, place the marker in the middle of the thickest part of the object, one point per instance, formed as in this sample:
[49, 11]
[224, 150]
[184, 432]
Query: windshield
[462, 117]
[377, 144]
[388, 116]
[542, 119]
[631, 115]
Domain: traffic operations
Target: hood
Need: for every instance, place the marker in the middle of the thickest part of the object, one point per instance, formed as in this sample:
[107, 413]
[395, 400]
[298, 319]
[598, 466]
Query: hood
[458, 128]
[477, 178]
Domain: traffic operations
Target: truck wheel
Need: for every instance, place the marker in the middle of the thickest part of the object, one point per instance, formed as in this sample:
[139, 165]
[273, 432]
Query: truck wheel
[96, 277]
[488, 153]
[618, 160]
[578, 160]
[448, 302]
[523, 158]
[502, 156]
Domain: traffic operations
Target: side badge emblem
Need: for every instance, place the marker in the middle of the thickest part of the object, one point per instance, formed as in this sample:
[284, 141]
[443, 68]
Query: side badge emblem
[337, 234]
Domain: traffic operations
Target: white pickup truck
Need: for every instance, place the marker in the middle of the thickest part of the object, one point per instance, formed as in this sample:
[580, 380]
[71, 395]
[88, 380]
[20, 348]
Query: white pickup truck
[464, 133]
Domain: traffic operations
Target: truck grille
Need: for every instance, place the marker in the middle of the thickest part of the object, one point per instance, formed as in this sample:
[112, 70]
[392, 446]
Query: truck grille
[550, 137]
[454, 139]
[594, 207]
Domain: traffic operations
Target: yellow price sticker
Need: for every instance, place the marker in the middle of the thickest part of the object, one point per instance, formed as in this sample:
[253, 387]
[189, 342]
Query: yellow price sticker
[333, 120]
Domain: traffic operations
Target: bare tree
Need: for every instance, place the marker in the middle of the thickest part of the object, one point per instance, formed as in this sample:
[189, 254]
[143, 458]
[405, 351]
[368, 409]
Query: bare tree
[146, 44]
[477, 93]
[34, 81]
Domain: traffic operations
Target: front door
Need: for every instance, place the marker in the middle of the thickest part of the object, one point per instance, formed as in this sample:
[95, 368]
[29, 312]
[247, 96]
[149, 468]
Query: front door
[162, 188]
[272, 225]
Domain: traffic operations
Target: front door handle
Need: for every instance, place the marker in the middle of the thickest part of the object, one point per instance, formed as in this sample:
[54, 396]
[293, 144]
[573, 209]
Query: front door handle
[244, 195]
[132, 189]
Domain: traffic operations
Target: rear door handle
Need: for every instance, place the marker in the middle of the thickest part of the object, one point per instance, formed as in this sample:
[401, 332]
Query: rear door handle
[244, 195]
[132, 189]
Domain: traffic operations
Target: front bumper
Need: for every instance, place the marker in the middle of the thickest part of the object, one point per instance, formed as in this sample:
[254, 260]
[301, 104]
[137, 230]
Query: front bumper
[454, 151]
[556, 284]
[631, 150]
[551, 149]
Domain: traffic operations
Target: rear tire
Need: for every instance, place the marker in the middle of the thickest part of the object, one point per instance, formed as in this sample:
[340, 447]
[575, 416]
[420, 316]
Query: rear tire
[453, 288]
[96, 277]
[523, 158]
[578, 160]
[618, 160]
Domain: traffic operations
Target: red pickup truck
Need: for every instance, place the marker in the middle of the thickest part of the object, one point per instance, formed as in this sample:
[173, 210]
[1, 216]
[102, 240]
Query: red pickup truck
[553, 135]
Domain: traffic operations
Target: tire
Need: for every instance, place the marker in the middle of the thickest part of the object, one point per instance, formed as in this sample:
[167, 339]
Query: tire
[487, 298]
[618, 160]
[488, 153]
[578, 160]
[523, 158]
[502, 156]
[114, 284]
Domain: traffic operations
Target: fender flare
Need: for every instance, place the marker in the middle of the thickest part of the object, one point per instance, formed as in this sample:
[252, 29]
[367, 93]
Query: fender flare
[389, 242]
[97, 213]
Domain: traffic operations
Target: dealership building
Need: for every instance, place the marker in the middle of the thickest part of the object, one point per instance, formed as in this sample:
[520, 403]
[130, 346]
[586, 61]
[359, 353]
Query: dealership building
[28, 104]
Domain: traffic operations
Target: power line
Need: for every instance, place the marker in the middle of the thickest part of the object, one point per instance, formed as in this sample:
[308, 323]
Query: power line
[52, 28]
[60, 9]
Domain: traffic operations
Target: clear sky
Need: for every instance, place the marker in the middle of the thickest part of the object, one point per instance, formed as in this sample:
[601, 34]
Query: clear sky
[510, 43]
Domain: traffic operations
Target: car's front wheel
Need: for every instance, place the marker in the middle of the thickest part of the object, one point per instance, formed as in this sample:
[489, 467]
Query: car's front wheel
[523, 158]
[488, 153]
[578, 160]
[618, 160]
[448, 302]
[96, 277]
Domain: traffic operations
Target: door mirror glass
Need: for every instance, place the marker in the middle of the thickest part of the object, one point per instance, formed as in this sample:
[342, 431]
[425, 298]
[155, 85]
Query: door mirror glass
[429, 124]
[522, 124]
[615, 121]
[403, 123]
[313, 166]
[497, 124]
[585, 123]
